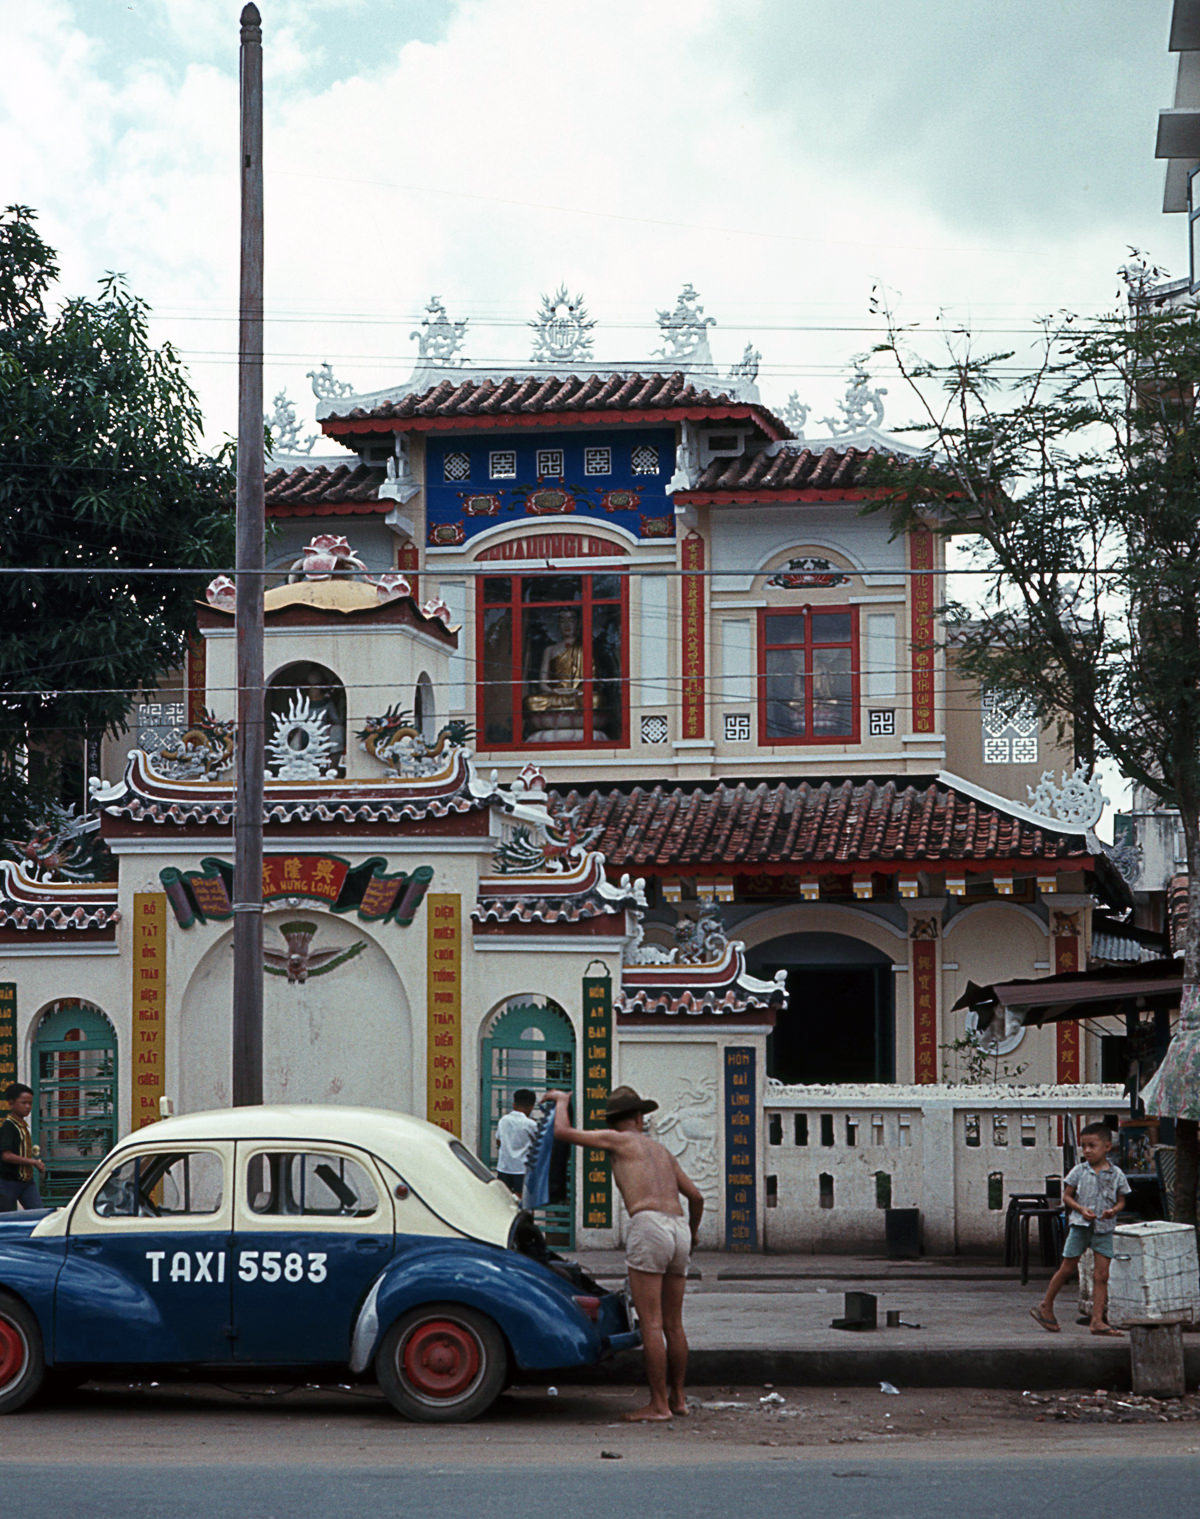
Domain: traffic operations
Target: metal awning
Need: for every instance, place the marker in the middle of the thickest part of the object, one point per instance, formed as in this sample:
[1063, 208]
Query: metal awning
[1101, 993]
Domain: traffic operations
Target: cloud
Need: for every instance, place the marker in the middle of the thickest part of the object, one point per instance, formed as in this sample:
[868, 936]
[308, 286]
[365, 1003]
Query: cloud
[782, 155]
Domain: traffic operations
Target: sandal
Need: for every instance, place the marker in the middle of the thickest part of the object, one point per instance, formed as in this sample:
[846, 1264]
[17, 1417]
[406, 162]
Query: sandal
[1046, 1320]
[1108, 1332]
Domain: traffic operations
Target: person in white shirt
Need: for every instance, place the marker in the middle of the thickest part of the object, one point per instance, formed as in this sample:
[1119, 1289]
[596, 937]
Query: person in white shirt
[514, 1138]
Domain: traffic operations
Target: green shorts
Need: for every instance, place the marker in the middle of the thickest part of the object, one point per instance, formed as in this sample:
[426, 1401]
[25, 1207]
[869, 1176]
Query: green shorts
[1081, 1237]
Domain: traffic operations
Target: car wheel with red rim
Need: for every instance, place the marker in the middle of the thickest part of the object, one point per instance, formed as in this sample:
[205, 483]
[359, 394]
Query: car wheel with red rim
[442, 1364]
[21, 1364]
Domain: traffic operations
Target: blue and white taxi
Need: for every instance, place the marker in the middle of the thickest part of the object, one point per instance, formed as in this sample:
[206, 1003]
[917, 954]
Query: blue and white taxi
[315, 1237]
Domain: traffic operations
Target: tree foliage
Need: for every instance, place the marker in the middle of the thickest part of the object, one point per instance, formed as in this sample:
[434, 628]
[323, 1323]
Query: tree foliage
[1076, 483]
[101, 474]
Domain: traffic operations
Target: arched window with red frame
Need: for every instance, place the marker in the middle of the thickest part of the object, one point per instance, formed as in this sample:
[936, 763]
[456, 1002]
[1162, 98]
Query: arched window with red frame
[552, 654]
[809, 676]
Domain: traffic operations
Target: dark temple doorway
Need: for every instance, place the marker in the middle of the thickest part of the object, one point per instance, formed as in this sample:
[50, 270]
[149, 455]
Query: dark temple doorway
[839, 1026]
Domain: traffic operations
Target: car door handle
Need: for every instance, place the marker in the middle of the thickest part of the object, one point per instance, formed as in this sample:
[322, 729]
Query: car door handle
[367, 1245]
[86, 1249]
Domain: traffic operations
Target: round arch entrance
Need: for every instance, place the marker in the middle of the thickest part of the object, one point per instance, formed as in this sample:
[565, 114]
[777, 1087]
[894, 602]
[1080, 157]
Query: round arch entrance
[530, 1043]
[840, 1020]
[74, 1069]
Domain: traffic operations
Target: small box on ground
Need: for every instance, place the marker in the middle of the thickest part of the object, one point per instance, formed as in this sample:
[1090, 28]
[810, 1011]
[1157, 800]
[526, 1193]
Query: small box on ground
[1155, 1277]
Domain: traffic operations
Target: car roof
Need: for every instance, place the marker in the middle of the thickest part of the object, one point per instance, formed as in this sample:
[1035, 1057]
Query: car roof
[421, 1152]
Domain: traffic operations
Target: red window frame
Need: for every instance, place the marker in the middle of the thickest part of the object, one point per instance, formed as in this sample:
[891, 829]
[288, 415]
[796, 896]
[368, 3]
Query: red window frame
[517, 609]
[807, 645]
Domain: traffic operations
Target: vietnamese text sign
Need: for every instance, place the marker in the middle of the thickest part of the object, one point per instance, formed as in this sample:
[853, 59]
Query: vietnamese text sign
[443, 1054]
[597, 1082]
[741, 1148]
[149, 1005]
[8, 1032]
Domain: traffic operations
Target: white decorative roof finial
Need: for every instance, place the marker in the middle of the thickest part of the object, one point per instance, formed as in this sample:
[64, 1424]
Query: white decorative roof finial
[439, 340]
[562, 330]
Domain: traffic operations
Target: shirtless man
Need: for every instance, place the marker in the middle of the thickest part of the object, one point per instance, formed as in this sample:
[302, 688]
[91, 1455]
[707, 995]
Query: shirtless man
[650, 1180]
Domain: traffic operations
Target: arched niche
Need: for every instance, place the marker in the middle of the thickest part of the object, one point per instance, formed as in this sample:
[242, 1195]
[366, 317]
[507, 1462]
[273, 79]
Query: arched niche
[337, 1021]
[303, 701]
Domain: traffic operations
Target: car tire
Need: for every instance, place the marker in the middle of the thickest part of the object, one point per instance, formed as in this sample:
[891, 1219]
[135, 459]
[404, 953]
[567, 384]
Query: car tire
[442, 1364]
[22, 1367]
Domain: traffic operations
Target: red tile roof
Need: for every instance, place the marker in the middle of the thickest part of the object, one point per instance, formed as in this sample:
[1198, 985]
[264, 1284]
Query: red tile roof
[522, 400]
[792, 474]
[868, 824]
[348, 490]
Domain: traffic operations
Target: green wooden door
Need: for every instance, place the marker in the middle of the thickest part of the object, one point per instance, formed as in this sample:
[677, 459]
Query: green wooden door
[530, 1045]
[74, 1094]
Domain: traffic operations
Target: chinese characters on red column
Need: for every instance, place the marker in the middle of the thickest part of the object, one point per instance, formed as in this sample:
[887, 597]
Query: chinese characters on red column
[692, 551]
[920, 562]
[443, 1088]
[8, 1032]
[1066, 958]
[597, 1027]
[924, 995]
[149, 1005]
[741, 1149]
[197, 664]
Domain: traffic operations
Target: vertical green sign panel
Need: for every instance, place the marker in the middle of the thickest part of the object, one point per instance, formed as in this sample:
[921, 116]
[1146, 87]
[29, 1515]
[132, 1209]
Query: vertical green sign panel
[8, 1032]
[597, 1083]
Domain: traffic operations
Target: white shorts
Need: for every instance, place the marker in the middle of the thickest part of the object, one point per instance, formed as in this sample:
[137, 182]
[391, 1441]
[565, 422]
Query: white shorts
[658, 1242]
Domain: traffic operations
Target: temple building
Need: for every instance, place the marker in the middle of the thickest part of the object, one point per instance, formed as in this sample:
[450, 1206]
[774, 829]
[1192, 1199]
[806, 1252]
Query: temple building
[609, 740]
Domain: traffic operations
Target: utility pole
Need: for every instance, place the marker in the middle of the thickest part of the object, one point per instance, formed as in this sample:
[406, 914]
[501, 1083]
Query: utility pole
[251, 562]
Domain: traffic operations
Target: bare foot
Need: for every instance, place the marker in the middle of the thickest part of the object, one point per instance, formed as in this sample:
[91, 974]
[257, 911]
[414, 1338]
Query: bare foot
[648, 1415]
[680, 1409]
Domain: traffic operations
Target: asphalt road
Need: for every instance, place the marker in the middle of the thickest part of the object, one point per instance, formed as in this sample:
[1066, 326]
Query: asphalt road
[786, 1485]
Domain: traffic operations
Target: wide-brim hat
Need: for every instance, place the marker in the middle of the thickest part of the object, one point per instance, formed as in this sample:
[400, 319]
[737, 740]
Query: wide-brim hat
[623, 1102]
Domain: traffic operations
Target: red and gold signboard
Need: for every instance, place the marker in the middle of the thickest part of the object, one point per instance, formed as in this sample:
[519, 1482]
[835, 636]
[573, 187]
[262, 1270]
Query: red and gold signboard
[692, 551]
[8, 1032]
[597, 1083]
[924, 995]
[408, 558]
[149, 1005]
[920, 562]
[443, 1059]
[1066, 958]
[197, 661]
[315, 876]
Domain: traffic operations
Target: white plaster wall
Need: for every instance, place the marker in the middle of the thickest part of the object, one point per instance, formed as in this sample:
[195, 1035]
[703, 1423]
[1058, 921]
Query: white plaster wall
[345, 1036]
[744, 540]
[996, 941]
[923, 1138]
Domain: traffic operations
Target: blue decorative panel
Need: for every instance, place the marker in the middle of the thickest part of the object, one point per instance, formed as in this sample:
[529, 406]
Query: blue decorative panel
[476, 483]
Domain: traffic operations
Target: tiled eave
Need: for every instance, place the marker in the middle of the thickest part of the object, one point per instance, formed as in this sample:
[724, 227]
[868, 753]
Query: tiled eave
[718, 988]
[143, 797]
[550, 401]
[27, 904]
[883, 826]
[347, 491]
[568, 896]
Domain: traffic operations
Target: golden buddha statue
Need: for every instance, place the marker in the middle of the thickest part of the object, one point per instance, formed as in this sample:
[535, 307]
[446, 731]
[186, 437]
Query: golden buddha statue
[554, 708]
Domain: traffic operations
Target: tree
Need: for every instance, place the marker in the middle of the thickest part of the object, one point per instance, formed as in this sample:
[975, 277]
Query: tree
[1077, 481]
[101, 476]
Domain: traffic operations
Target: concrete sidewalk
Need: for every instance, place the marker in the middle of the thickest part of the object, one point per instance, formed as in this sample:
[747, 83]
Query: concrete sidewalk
[754, 1319]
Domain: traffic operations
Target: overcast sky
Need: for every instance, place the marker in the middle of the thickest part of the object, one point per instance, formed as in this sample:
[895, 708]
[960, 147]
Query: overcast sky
[993, 160]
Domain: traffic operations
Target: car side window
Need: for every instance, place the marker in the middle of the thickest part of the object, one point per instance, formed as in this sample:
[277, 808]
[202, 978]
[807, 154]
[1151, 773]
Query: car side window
[309, 1184]
[163, 1185]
